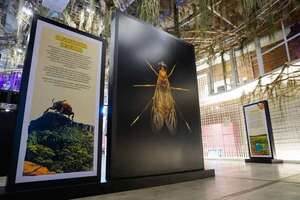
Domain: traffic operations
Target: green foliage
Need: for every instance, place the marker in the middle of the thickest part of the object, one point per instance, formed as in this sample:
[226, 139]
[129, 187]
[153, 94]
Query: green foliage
[66, 149]
[261, 142]
[107, 23]
[149, 11]
[205, 9]
[250, 6]
[42, 154]
[43, 11]
[205, 17]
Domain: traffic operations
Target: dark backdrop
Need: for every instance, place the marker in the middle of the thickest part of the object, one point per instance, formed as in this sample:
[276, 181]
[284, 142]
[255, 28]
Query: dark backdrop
[7, 126]
[138, 151]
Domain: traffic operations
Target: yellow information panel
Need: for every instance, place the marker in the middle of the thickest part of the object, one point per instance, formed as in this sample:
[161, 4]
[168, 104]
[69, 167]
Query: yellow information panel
[60, 128]
[257, 129]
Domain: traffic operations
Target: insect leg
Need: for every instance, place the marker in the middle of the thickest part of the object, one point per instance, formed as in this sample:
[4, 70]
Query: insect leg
[170, 74]
[180, 89]
[47, 110]
[181, 115]
[146, 85]
[138, 117]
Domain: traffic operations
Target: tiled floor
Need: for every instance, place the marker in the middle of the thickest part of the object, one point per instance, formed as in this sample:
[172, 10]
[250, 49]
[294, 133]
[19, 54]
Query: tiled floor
[234, 180]
[2, 181]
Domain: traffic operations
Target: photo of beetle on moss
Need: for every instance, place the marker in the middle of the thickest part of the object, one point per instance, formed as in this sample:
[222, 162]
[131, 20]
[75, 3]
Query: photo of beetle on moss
[57, 143]
[57, 134]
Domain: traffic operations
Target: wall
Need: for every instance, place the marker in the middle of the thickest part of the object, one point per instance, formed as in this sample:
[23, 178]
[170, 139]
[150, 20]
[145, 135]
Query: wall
[223, 129]
[286, 128]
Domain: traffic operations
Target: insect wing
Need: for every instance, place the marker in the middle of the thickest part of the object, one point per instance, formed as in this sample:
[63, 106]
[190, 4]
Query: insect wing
[157, 114]
[171, 118]
[163, 110]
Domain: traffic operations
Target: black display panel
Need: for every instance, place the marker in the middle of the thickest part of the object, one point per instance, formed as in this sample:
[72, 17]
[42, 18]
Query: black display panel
[8, 123]
[154, 117]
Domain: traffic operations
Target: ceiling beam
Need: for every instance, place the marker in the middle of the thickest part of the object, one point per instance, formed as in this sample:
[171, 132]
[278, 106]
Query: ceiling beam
[219, 15]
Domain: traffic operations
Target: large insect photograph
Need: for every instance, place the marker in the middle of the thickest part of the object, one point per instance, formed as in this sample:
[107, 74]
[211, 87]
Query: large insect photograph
[163, 111]
[154, 126]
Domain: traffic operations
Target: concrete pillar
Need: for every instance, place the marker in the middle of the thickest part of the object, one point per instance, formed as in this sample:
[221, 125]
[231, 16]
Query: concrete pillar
[224, 71]
[234, 72]
[210, 76]
[285, 42]
[259, 57]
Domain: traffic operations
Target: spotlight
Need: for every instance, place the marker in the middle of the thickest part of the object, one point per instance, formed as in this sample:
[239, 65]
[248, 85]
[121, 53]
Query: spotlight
[103, 110]
[27, 11]
[89, 10]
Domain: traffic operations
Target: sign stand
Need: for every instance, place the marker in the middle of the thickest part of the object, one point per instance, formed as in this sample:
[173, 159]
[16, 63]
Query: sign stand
[57, 140]
[259, 133]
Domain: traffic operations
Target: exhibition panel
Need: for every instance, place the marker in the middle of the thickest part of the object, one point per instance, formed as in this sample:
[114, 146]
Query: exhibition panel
[259, 133]
[101, 96]
[57, 138]
[259, 129]
[155, 119]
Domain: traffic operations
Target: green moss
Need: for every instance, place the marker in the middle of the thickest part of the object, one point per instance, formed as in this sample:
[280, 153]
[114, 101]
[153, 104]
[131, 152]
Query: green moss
[66, 149]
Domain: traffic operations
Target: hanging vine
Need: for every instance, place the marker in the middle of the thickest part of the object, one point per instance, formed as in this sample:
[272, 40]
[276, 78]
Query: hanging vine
[283, 85]
[255, 18]
[107, 23]
[205, 15]
[149, 11]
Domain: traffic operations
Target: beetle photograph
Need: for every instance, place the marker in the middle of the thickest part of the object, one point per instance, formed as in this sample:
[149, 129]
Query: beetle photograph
[62, 107]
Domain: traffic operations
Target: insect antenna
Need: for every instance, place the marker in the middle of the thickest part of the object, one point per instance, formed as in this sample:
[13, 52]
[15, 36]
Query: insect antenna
[144, 110]
[151, 67]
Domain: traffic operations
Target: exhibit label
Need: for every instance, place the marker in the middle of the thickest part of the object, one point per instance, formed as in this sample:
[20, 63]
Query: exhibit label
[257, 129]
[60, 129]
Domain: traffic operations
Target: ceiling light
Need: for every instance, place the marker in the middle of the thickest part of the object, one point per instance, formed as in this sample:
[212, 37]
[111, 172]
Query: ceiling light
[27, 11]
[89, 10]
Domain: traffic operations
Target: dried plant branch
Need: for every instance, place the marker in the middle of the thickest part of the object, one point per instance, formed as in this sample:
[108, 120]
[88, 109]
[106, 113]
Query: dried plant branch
[284, 86]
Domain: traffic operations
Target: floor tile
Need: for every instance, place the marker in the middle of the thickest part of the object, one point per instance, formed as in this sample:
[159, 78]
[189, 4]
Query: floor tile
[278, 191]
[2, 181]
